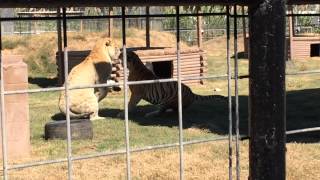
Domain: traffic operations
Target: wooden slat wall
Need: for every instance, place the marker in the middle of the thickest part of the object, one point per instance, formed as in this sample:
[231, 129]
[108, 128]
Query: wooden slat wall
[301, 46]
[193, 62]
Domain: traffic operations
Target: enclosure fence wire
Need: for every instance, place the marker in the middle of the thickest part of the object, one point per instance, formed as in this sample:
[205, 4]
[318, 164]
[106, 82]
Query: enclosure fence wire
[110, 16]
[67, 95]
[135, 16]
[3, 116]
[127, 151]
[179, 95]
[236, 96]
[125, 86]
[229, 93]
[210, 77]
[118, 152]
[59, 38]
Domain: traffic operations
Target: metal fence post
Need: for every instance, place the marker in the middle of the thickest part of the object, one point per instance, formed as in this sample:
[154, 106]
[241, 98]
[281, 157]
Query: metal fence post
[66, 85]
[3, 116]
[236, 90]
[229, 92]
[125, 87]
[179, 94]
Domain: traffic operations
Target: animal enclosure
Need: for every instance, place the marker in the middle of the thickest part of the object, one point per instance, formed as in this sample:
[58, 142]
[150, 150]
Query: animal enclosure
[267, 103]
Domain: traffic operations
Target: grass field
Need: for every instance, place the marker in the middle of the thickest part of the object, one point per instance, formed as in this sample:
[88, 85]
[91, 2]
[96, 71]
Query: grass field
[201, 121]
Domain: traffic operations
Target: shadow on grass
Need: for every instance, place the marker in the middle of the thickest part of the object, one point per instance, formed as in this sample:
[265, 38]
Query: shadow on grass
[202, 115]
[43, 82]
[242, 55]
[302, 112]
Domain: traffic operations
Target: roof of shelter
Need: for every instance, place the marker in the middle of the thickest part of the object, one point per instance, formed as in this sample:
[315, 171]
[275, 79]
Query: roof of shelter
[106, 3]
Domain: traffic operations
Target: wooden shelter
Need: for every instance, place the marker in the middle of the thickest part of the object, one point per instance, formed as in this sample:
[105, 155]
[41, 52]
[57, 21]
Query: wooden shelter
[301, 47]
[304, 47]
[297, 46]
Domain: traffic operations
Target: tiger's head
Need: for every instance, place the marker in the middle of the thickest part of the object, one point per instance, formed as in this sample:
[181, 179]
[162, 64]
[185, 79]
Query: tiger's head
[133, 60]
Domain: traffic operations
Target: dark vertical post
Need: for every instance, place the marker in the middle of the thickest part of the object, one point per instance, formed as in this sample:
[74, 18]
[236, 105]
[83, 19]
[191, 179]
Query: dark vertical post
[236, 90]
[199, 28]
[229, 91]
[64, 16]
[60, 54]
[290, 24]
[110, 25]
[267, 90]
[244, 30]
[125, 90]
[147, 27]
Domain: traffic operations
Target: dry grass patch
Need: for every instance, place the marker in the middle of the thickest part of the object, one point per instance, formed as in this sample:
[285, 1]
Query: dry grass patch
[204, 161]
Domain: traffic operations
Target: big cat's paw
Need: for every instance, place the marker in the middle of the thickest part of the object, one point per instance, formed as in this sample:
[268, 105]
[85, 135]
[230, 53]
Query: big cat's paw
[96, 118]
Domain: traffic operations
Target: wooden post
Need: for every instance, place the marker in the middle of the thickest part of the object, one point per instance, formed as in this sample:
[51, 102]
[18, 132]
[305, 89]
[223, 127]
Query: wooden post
[244, 31]
[290, 33]
[267, 90]
[199, 28]
[60, 54]
[15, 78]
[110, 25]
[147, 27]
